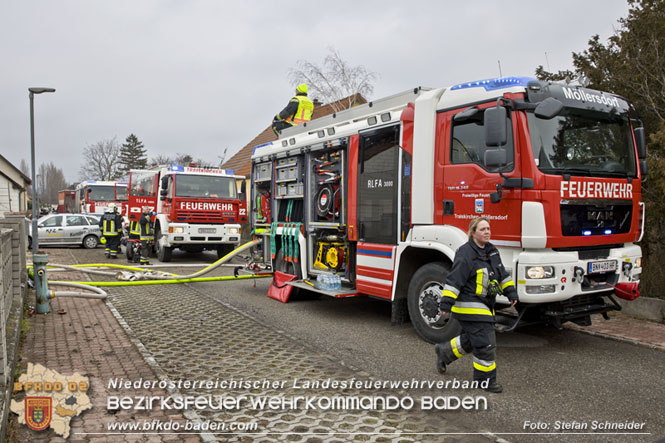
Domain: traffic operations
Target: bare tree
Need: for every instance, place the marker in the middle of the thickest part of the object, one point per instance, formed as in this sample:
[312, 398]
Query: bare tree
[334, 80]
[50, 179]
[101, 161]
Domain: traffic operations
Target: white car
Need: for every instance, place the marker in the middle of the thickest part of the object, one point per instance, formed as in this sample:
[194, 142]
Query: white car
[67, 229]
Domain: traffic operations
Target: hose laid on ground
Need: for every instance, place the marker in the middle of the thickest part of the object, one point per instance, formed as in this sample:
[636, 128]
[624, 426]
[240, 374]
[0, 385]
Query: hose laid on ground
[143, 276]
[99, 293]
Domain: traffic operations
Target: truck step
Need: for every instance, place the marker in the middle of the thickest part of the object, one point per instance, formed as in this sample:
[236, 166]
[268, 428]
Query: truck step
[339, 293]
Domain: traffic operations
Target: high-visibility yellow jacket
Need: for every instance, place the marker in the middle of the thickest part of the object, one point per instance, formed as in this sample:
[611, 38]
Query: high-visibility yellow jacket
[298, 111]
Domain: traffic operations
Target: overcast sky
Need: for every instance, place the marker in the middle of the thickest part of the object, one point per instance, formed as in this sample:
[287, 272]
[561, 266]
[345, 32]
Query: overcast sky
[197, 76]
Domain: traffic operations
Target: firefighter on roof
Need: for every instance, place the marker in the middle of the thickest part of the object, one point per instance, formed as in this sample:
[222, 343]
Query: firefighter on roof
[298, 111]
[470, 291]
[111, 225]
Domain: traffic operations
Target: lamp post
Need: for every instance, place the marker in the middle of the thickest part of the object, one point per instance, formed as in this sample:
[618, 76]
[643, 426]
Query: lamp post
[38, 260]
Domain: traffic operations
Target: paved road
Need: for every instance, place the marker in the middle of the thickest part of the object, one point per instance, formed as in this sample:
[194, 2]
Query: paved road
[551, 377]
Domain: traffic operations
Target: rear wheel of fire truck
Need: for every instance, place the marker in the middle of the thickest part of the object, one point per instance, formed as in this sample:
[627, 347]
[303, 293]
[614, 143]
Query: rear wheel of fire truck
[163, 252]
[90, 242]
[425, 289]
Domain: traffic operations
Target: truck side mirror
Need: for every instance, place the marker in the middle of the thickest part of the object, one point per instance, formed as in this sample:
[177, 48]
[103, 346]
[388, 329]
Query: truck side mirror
[643, 170]
[163, 193]
[243, 187]
[495, 158]
[496, 122]
[165, 182]
[640, 141]
[548, 108]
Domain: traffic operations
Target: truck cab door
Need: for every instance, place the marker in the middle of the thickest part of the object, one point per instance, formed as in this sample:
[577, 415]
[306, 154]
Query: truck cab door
[470, 179]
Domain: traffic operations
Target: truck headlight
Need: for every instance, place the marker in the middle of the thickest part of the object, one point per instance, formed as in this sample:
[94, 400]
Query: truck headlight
[233, 231]
[638, 262]
[537, 272]
[178, 230]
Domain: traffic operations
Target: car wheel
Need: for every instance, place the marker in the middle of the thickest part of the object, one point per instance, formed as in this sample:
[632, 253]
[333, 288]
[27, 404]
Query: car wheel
[425, 290]
[90, 242]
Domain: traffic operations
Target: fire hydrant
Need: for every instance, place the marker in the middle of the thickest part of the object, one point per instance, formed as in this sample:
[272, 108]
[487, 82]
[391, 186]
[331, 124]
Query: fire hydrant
[42, 294]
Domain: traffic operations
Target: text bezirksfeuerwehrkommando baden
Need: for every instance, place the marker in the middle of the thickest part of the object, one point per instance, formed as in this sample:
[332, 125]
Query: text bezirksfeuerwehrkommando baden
[295, 383]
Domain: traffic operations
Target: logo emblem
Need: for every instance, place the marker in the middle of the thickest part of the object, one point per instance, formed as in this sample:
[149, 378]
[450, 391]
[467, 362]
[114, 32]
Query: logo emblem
[38, 412]
[480, 206]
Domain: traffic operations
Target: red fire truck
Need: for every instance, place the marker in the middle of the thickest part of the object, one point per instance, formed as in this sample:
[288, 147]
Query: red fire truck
[197, 208]
[67, 201]
[382, 195]
[94, 196]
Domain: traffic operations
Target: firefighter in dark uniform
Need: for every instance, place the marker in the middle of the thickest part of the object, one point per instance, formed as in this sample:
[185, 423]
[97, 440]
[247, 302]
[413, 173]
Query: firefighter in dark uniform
[470, 291]
[133, 240]
[145, 223]
[111, 226]
[298, 111]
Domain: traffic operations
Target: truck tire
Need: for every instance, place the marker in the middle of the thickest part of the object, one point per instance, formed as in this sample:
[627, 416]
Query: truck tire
[424, 292]
[222, 250]
[163, 252]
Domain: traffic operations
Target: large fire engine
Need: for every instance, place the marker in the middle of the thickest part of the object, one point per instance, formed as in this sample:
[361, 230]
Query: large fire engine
[197, 208]
[94, 196]
[382, 195]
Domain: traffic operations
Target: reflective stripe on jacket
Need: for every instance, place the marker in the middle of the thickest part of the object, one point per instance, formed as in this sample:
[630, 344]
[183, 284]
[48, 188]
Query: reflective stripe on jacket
[465, 292]
[304, 112]
[111, 224]
[146, 227]
[134, 228]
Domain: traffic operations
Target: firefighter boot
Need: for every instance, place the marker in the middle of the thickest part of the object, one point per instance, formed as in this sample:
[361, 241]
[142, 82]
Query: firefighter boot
[440, 358]
[494, 387]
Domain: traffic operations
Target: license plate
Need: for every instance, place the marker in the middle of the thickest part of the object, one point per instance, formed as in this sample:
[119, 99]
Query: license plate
[207, 230]
[602, 266]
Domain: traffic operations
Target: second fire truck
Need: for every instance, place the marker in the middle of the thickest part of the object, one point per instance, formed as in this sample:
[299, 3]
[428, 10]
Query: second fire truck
[196, 208]
[381, 196]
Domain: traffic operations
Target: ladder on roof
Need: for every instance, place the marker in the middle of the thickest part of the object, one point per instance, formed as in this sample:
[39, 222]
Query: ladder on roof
[395, 101]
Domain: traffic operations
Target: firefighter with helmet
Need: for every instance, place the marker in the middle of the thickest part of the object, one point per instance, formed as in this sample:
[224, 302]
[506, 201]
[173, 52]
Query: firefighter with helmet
[146, 228]
[470, 291]
[299, 110]
[111, 225]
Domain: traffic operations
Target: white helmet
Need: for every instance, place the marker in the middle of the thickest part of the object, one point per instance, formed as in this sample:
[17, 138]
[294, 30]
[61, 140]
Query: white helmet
[111, 207]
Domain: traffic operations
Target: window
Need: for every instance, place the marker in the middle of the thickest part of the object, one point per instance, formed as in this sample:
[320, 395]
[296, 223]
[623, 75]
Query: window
[76, 220]
[468, 143]
[53, 222]
[92, 220]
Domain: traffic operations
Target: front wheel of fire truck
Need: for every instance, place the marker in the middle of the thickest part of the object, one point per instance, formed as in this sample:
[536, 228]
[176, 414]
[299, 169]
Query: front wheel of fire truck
[163, 252]
[425, 290]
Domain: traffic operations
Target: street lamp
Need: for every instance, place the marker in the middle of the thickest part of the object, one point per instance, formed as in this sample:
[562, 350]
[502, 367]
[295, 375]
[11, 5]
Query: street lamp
[35, 200]
[38, 260]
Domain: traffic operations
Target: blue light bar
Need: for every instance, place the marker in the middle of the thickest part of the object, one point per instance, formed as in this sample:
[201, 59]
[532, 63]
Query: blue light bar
[229, 171]
[177, 168]
[492, 84]
[260, 146]
[608, 231]
[586, 232]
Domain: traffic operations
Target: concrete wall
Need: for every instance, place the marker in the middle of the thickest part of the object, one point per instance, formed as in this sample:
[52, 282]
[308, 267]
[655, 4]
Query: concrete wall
[12, 296]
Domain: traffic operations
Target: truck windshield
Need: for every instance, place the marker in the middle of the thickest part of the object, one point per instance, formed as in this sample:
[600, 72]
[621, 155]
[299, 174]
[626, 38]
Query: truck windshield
[121, 192]
[204, 186]
[101, 193]
[583, 142]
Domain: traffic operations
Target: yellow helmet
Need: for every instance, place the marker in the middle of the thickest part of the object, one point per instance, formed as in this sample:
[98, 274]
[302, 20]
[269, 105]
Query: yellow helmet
[102, 240]
[302, 88]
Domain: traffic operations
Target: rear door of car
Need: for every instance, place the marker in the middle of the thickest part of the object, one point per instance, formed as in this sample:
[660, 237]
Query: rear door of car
[76, 227]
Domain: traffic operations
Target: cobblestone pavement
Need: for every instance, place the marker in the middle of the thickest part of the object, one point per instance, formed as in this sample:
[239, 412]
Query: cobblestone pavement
[191, 337]
[85, 337]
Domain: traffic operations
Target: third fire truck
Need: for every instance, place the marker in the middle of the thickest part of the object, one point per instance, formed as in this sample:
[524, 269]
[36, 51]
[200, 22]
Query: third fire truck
[196, 208]
[381, 195]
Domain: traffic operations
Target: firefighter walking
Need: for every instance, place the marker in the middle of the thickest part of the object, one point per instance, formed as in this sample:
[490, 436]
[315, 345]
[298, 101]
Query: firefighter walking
[298, 111]
[470, 291]
[111, 226]
[146, 236]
